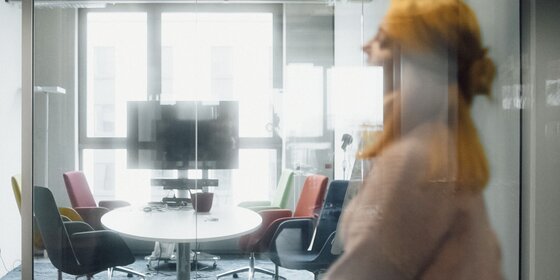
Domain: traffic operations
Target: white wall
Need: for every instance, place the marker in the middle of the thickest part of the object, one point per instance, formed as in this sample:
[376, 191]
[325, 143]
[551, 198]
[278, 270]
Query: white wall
[10, 125]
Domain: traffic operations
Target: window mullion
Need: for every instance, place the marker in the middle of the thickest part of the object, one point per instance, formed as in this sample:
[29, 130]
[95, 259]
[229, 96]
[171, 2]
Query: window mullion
[154, 53]
[82, 82]
[103, 143]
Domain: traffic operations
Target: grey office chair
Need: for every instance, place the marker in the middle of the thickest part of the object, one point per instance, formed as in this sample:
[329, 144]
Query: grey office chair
[74, 247]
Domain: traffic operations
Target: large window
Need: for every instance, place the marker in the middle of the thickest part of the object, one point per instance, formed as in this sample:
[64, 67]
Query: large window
[116, 69]
[220, 56]
[171, 54]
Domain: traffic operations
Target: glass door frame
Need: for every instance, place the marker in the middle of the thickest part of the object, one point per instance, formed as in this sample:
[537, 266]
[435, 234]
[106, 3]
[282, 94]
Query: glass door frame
[27, 15]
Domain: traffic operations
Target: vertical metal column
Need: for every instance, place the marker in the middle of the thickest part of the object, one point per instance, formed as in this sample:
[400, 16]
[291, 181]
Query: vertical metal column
[183, 261]
[27, 139]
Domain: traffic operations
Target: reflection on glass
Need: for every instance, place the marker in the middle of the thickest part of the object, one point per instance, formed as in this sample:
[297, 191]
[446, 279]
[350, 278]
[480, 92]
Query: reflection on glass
[109, 177]
[256, 177]
[353, 121]
[428, 158]
[221, 56]
[116, 69]
[348, 84]
[552, 87]
[303, 101]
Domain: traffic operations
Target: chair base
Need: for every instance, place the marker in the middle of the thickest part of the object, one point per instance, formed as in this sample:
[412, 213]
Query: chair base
[166, 252]
[126, 270]
[251, 270]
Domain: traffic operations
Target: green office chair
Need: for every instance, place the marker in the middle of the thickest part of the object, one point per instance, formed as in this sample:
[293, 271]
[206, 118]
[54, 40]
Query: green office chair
[280, 199]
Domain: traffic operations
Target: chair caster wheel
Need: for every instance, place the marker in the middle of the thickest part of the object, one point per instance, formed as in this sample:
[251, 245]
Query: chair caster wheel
[235, 276]
[129, 275]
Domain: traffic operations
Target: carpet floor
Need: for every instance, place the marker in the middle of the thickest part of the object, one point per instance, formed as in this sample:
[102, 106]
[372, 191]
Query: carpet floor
[43, 269]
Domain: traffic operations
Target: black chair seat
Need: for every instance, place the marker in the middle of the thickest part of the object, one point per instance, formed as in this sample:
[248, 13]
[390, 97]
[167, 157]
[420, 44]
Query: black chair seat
[309, 260]
[74, 247]
[305, 243]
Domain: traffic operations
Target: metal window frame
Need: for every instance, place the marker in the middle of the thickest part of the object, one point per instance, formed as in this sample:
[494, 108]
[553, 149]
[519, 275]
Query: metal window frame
[154, 12]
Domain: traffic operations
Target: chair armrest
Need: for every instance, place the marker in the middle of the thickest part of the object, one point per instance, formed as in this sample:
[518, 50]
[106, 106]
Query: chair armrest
[113, 204]
[101, 248]
[325, 255]
[264, 242]
[285, 238]
[251, 242]
[261, 208]
[76, 227]
[288, 256]
[92, 215]
[271, 215]
[328, 244]
[251, 204]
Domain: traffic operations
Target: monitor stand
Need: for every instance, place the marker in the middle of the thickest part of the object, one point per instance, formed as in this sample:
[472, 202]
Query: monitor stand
[176, 252]
[183, 185]
[176, 201]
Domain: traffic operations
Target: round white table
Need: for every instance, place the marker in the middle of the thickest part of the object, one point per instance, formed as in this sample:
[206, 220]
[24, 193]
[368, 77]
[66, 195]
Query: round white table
[182, 226]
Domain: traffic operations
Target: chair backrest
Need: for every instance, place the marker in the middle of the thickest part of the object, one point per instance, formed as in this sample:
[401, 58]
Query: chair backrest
[351, 192]
[55, 236]
[78, 189]
[312, 196]
[330, 213]
[16, 188]
[283, 189]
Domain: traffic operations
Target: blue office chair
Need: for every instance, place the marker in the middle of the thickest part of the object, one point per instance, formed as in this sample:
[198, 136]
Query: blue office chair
[299, 244]
[74, 247]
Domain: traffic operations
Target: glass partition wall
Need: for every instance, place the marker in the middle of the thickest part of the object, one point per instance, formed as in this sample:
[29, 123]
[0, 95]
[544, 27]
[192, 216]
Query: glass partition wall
[162, 105]
[10, 151]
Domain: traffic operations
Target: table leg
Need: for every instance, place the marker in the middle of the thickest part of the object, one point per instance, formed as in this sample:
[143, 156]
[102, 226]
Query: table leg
[183, 261]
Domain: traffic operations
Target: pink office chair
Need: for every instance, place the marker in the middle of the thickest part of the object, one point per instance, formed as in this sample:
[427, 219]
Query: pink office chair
[83, 202]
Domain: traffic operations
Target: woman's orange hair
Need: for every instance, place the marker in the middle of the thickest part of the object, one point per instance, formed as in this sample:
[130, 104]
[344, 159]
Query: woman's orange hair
[442, 27]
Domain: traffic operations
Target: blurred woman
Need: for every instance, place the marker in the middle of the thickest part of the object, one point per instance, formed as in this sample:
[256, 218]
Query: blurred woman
[420, 213]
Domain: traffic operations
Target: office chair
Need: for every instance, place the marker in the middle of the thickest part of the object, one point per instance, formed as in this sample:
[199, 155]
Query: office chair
[68, 214]
[298, 244]
[308, 206]
[82, 200]
[281, 195]
[74, 247]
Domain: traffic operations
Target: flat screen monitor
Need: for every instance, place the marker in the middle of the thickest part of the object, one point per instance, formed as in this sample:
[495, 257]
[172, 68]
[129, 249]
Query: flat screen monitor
[183, 135]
